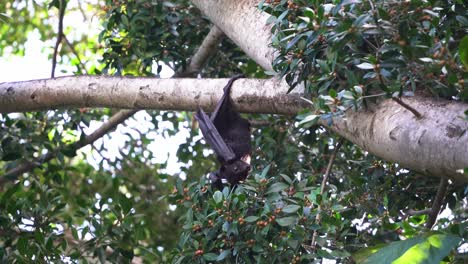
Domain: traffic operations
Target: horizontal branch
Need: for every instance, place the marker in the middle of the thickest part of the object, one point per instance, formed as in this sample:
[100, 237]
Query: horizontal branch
[435, 144]
[249, 95]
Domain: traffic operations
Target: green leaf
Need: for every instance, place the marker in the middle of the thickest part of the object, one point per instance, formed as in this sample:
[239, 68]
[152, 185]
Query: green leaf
[217, 197]
[432, 250]
[286, 178]
[223, 255]
[250, 219]
[291, 208]
[309, 12]
[276, 187]
[265, 171]
[69, 151]
[287, 221]
[126, 204]
[179, 260]
[423, 249]
[293, 41]
[310, 118]
[365, 66]
[463, 51]
[210, 256]
[22, 245]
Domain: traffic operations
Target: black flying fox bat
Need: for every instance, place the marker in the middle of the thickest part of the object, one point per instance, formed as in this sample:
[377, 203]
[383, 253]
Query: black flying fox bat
[228, 134]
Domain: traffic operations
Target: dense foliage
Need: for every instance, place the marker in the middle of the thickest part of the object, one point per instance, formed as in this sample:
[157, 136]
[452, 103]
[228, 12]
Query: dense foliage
[117, 204]
[350, 51]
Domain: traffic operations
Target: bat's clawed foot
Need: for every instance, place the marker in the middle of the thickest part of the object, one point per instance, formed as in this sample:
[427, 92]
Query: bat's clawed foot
[216, 181]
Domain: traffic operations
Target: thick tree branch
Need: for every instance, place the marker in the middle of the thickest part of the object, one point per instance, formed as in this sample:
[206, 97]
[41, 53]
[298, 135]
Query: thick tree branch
[434, 145]
[250, 95]
[244, 24]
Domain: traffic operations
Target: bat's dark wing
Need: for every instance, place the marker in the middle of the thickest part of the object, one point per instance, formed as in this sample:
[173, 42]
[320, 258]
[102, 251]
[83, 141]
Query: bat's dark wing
[213, 138]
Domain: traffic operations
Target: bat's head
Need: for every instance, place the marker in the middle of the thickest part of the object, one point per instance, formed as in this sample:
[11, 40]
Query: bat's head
[235, 171]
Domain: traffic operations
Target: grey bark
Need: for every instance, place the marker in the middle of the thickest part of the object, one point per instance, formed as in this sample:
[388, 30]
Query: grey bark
[249, 95]
[244, 24]
[205, 51]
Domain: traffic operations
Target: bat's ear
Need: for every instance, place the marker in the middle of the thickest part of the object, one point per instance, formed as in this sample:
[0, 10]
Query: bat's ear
[213, 138]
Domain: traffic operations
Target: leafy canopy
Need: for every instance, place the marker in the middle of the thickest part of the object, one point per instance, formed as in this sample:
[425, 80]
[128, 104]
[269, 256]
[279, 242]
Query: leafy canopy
[88, 206]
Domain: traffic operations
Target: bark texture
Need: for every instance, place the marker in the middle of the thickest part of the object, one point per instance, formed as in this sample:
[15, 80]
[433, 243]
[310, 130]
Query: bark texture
[437, 144]
[249, 95]
[244, 24]
[205, 51]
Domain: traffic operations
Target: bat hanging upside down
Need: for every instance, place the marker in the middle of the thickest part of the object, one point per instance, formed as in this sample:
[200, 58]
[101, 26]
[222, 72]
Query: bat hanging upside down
[228, 134]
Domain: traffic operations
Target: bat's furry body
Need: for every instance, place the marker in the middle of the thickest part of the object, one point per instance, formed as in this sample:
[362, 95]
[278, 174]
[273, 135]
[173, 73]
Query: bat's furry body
[228, 134]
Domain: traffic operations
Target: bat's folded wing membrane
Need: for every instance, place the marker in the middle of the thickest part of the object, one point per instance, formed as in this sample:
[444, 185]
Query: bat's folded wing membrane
[213, 138]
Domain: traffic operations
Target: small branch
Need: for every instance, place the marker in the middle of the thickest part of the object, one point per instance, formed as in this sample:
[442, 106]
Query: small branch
[91, 138]
[398, 100]
[373, 95]
[412, 212]
[322, 189]
[259, 123]
[72, 242]
[407, 106]
[62, 5]
[438, 202]
[73, 50]
[206, 50]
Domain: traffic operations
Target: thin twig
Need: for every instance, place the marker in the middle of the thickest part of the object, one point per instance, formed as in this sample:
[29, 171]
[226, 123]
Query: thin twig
[396, 99]
[62, 5]
[73, 50]
[438, 202]
[259, 123]
[412, 212]
[373, 95]
[407, 106]
[322, 188]
[101, 131]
